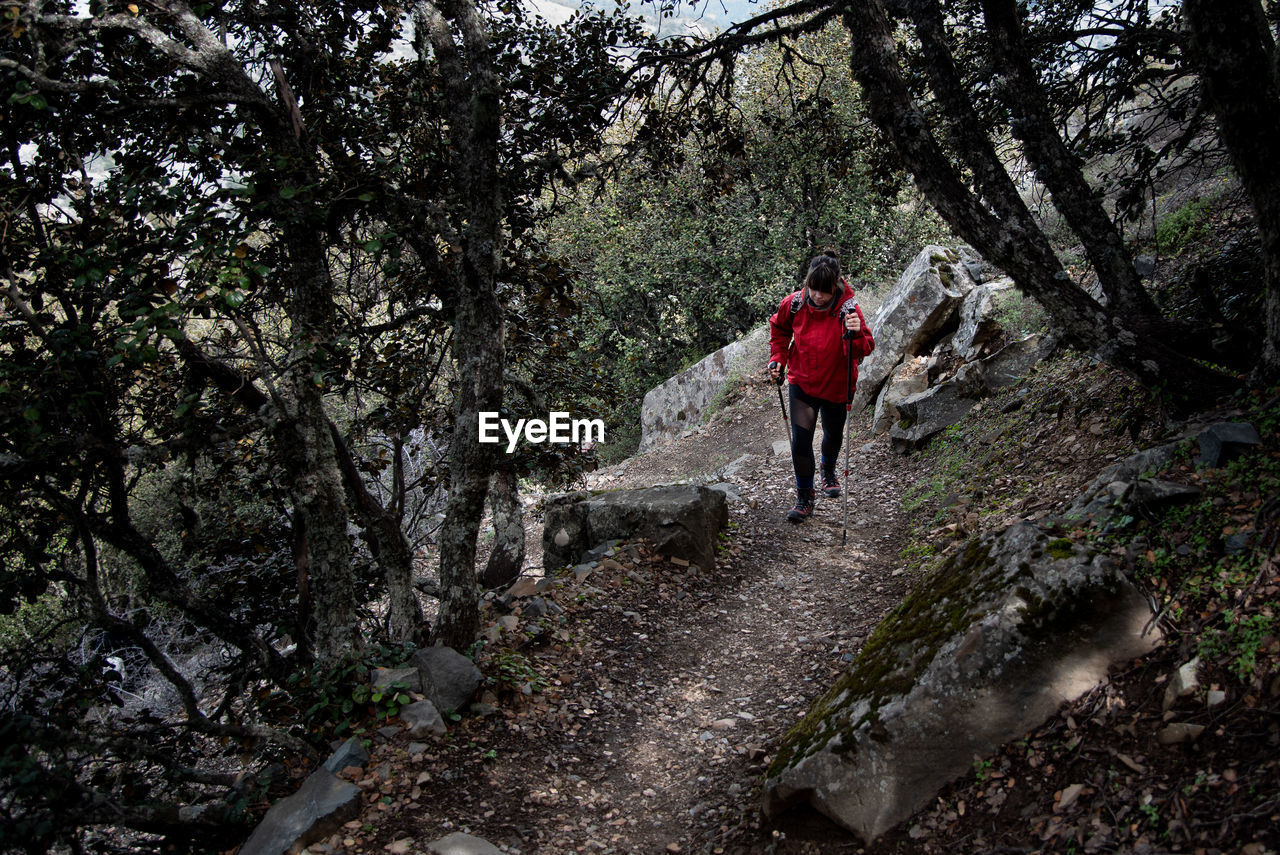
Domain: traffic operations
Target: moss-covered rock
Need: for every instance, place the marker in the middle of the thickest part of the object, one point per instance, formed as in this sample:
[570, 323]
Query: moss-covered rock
[985, 648]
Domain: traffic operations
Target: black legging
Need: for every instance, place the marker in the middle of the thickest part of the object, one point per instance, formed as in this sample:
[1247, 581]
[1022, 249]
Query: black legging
[804, 419]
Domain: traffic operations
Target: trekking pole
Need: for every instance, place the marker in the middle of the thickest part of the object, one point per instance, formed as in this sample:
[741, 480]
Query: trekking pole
[848, 434]
[782, 375]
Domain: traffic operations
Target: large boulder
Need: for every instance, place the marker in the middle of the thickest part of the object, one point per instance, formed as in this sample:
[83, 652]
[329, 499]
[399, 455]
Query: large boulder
[682, 401]
[912, 316]
[929, 413]
[977, 326]
[681, 521]
[1010, 363]
[909, 378]
[983, 650]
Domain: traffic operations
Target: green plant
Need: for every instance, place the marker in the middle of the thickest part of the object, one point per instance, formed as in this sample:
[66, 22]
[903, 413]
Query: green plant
[340, 699]
[514, 671]
[1185, 227]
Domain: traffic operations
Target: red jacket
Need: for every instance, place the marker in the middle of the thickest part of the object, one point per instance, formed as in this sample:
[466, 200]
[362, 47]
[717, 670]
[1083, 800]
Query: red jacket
[810, 344]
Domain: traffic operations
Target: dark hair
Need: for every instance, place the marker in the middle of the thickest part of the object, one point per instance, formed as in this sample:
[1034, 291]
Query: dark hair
[824, 274]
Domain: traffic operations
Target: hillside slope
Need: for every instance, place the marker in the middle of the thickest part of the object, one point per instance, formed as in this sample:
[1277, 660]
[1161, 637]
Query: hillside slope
[640, 717]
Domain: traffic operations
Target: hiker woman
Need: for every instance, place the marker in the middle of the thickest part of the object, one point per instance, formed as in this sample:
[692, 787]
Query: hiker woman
[818, 335]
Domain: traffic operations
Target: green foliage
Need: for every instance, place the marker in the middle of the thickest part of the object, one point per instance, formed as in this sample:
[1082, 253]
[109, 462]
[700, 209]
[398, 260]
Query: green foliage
[1186, 228]
[1206, 560]
[678, 255]
[1019, 315]
[511, 670]
[340, 699]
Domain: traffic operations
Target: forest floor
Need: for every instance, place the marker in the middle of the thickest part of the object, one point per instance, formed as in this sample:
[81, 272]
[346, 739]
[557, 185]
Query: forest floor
[641, 716]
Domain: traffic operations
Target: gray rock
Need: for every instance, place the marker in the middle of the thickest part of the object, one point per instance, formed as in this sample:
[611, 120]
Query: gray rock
[385, 677]
[1222, 443]
[462, 844]
[422, 718]
[908, 378]
[350, 753]
[1148, 494]
[1184, 682]
[1011, 363]
[977, 327]
[681, 521]
[681, 402]
[1105, 495]
[449, 679]
[929, 413]
[781, 447]
[910, 318]
[729, 470]
[318, 809]
[1145, 266]
[1238, 543]
[601, 551]
[731, 494]
[983, 650]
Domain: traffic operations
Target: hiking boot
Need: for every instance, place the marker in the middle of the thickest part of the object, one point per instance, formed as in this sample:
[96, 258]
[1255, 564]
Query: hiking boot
[830, 485]
[803, 509]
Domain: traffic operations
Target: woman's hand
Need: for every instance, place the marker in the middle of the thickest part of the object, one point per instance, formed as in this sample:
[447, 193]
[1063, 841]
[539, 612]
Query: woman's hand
[852, 322]
[775, 372]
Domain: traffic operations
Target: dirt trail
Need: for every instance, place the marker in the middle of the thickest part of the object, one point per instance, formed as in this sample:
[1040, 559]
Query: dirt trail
[780, 620]
[665, 703]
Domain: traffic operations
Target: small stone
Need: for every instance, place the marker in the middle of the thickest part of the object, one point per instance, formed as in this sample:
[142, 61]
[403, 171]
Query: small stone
[724, 724]
[562, 538]
[1215, 697]
[423, 718]
[458, 843]
[400, 847]
[508, 623]
[1180, 732]
[781, 448]
[1183, 682]
[1069, 796]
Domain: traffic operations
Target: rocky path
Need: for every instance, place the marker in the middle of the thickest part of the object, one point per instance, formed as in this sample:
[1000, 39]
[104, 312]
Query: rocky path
[661, 698]
[785, 614]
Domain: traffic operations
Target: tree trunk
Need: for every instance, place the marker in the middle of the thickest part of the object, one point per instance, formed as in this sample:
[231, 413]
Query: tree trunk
[388, 544]
[316, 486]
[1057, 167]
[473, 90]
[507, 557]
[1235, 54]
[1009, 237]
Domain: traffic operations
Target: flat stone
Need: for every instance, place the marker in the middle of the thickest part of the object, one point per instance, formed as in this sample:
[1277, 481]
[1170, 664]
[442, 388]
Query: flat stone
[982, 650]
[318, 809]
[462, 844]
[1180, 732]
[1183, 683]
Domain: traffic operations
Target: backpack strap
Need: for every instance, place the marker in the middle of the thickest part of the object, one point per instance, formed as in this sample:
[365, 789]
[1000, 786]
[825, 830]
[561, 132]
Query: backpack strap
[797, 302]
